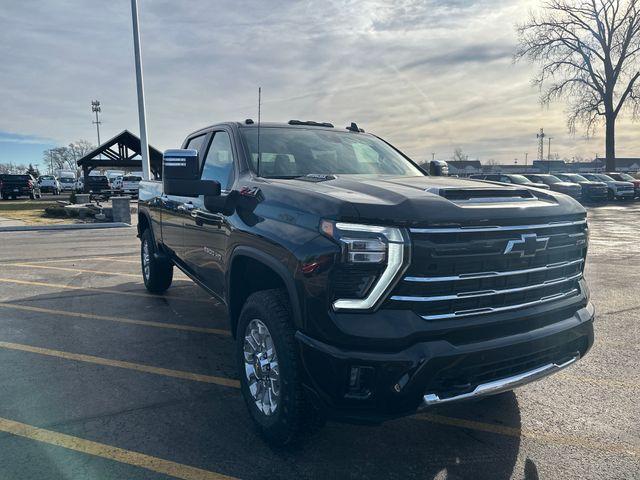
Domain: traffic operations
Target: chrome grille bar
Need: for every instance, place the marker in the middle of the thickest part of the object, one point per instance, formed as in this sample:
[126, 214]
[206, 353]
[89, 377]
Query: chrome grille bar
[480, 275]
[483, 311]
[484, 293]
[497, 228]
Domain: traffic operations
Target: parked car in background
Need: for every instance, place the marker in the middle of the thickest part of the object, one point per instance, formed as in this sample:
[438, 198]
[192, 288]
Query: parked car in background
[67, 184]
[98, 184]
[625, 177]
[79, 185]
[116, 183]
[131, 184]
[510, 178]
[49, 184]
[21, 185]
[568, 188]
[591, 190]
[617, 190]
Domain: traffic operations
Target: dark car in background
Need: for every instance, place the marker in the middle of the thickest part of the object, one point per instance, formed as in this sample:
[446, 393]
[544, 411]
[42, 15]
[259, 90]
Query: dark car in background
[617, 190]
[98, 184]
[568, 188]
[21, 185]
[625, 177]
[510, 178]
[593, 191]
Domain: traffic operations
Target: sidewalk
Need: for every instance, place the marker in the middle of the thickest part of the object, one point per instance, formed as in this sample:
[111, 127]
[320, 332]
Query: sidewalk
[10, 222]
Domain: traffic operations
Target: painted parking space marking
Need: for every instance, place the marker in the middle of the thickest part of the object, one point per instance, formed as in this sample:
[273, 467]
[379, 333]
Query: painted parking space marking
[197, 377]
[76, 270]
[543, 437]
[97, 449]
[105, 290]
[437, 419]
[91, 316]
[122, 259]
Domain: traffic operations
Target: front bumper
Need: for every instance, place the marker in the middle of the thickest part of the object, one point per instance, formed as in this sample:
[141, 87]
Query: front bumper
[372, 386]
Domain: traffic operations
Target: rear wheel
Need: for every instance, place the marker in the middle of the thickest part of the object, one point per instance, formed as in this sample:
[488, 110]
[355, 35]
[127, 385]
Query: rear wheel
[270, 370]
[157, 272]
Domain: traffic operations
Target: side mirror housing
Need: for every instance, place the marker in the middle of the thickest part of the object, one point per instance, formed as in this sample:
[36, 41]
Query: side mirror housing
[181, 175]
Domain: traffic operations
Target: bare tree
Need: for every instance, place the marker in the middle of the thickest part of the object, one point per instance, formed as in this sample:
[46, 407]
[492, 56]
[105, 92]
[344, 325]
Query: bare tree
[589, 54]
[65, 158]
[458, 154]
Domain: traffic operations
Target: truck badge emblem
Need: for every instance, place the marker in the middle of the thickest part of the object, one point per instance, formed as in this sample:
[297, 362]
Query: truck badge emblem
[527, 246]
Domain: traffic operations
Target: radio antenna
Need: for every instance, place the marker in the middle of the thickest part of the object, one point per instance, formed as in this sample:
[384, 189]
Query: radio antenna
[259, 105]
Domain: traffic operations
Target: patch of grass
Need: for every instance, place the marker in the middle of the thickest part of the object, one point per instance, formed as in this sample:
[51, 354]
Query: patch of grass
[34, 217]
[17, 205]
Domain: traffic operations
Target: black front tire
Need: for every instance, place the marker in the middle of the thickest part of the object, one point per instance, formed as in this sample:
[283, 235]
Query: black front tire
[294, 417]
[157, 272]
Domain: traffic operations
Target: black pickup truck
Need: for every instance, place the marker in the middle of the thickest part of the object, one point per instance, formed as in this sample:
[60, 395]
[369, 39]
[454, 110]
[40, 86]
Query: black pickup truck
[18, 185]
[358, 287]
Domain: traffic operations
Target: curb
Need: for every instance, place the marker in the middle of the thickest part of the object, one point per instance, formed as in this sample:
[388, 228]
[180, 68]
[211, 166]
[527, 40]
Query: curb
[70, 226]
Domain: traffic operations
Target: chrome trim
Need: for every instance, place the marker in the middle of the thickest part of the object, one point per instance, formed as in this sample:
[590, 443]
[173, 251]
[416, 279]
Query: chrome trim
[475, 276]
[496, 228]
[484, 293]
[483, 311]
[502, 385]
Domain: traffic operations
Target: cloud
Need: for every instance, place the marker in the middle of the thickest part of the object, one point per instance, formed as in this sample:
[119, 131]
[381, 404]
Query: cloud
[428, 75]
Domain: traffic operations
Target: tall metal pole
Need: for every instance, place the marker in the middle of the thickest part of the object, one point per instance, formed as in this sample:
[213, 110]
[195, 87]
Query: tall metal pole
[144, 146]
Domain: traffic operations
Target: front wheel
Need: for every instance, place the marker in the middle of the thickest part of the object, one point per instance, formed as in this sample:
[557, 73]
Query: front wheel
[270, 370]
[157, 272]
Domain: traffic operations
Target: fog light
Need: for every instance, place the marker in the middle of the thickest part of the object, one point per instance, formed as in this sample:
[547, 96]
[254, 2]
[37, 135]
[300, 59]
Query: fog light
[360, 382]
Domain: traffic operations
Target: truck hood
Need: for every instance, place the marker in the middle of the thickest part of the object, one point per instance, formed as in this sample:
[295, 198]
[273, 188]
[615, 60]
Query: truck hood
[417, 201]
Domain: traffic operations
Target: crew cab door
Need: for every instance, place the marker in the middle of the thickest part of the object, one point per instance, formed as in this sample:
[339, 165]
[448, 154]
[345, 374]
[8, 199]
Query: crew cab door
[176, 210]
[206, 232]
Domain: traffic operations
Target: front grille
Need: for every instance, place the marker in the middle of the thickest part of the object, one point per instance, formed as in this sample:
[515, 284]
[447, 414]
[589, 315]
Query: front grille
[461, 272]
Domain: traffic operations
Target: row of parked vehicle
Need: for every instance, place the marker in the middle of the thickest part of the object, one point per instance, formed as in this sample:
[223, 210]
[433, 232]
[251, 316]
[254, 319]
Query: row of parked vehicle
[25, 185]
[590, 187]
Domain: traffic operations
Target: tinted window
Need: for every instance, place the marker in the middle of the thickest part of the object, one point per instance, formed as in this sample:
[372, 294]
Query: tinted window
[196, 143]
[218, 165]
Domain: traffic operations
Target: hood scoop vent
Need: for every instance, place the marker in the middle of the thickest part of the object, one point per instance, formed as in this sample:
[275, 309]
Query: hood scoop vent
[485, 195]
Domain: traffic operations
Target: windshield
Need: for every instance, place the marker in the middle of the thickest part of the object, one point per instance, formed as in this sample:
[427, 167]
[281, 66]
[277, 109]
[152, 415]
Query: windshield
[295, 152]
[67, 180]
[131, 179]
[577, 178]
[626, 176]
[519, 179]
[46, 177]
[549, 179]
[603, 177]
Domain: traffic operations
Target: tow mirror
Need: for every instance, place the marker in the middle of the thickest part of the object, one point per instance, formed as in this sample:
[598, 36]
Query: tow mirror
[181, 175]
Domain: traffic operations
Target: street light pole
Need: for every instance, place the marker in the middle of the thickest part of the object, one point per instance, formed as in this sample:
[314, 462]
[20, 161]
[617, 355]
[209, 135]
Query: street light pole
[142, 116]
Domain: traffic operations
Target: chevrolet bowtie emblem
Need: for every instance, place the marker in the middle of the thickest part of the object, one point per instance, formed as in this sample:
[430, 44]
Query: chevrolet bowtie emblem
[527, 245]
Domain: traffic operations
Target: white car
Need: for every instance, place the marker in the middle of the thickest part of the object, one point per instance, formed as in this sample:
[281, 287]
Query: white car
[79, 185]
[617, 189]
[131, 184]
[67, 184]
[116, 182]
[49, 184]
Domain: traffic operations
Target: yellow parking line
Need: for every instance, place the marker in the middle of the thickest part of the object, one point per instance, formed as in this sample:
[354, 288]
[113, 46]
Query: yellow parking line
[197, 377]
[438, 419]
[531, 434]
[128, 457]
[91, 316]
[84, 259]
[67, 269]
[103, 290]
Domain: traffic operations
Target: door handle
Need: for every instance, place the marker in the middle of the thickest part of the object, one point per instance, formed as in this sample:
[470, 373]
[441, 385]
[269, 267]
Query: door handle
[207, 218]
[185, 207]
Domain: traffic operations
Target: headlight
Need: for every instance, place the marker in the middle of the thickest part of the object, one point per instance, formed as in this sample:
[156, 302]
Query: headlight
[372, 259]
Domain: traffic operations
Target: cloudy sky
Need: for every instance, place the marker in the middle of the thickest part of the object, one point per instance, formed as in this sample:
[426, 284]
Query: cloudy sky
[428, 75]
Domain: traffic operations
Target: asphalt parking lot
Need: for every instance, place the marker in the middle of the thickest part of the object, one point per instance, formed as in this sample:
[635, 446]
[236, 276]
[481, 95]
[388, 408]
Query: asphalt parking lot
[100, 380]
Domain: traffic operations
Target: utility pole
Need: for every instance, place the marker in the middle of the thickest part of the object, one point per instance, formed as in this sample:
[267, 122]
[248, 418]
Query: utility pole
[142, 116]
[433, 156]
[540, 136]
[526, 157]
[549, 156]
[95, 108]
